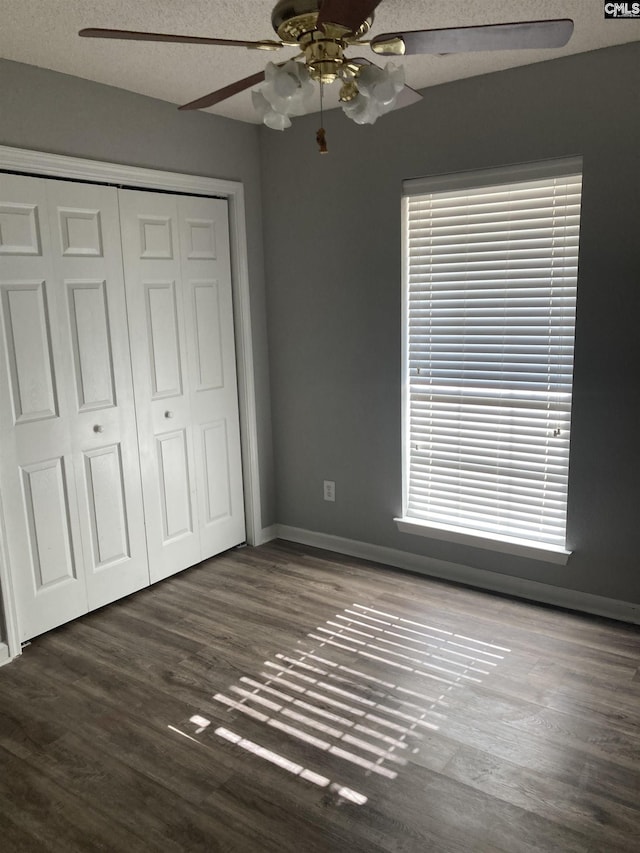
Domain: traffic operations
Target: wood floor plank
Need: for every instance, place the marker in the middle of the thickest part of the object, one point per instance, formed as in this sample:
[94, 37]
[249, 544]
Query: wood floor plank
[16, 838]
[49, 815]
[563, 804]
[283, 698]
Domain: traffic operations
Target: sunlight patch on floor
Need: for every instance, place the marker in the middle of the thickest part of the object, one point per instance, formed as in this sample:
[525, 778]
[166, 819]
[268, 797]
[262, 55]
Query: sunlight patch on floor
[349, 691]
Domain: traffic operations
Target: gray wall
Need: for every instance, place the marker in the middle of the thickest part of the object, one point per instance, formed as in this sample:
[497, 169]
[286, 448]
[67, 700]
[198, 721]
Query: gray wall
[45, 111]
[332, 244]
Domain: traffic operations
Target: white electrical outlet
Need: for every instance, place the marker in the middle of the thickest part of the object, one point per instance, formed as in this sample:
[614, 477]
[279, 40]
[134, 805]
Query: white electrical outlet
[329, 490]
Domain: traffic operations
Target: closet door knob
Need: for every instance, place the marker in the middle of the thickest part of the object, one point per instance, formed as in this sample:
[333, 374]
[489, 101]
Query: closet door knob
[168, 414]
[98, 428]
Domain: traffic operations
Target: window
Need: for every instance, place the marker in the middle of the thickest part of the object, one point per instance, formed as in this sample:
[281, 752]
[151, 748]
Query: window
[491, 264]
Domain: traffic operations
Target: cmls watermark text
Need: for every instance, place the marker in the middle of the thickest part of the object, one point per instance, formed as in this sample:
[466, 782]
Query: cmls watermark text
[622, 10]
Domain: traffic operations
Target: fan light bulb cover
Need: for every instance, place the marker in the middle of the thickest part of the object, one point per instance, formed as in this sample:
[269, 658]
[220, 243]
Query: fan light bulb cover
[378, 90]
[287, 91]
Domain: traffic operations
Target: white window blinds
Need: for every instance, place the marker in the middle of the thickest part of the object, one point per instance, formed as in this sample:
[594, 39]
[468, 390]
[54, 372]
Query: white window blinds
[490, 267]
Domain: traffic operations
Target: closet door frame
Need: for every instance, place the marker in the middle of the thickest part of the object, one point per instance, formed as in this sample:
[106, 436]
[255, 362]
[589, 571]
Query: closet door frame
[58, 166]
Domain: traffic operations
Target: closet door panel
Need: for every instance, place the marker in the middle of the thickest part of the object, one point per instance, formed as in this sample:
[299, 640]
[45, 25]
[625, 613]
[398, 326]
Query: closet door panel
[175, 482]
[46, 504]
[29, 354]
[149, 223]
[207, 293]
[91, 342]
[87, 263]
[36, 452]
[165, 362]
[107, 501]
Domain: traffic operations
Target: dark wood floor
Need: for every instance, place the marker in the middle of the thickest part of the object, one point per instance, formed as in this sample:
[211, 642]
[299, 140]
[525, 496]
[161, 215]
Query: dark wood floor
[285, 699]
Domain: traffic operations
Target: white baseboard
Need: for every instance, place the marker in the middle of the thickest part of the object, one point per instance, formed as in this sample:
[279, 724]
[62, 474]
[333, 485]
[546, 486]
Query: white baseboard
[479, 578]
[4, 653]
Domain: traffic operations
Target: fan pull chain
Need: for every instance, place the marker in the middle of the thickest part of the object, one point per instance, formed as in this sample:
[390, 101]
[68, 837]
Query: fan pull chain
[321, 138]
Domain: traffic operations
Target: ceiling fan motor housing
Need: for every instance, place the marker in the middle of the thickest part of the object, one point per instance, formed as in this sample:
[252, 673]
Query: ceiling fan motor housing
[296, 22]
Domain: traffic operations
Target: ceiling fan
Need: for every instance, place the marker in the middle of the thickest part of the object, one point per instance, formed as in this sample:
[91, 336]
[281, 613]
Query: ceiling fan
[323, 30]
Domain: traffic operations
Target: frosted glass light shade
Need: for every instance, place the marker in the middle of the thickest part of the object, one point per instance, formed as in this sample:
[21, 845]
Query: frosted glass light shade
[287, 90]
[269, 116]
[378, 90]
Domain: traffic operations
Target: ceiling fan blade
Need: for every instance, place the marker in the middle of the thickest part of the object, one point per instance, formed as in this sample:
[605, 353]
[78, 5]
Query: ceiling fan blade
[132, 35]
[405, 98]
[348, 13]
[517, 36]
[224, 93]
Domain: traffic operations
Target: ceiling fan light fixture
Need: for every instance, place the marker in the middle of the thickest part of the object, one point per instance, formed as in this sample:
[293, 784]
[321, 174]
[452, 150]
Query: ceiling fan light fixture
[364, 97]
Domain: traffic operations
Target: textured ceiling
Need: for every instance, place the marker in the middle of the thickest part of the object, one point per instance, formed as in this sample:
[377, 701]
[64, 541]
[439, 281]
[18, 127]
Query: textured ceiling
[44, 33]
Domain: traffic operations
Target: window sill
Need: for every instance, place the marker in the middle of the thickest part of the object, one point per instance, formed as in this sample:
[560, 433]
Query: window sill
[490, 542]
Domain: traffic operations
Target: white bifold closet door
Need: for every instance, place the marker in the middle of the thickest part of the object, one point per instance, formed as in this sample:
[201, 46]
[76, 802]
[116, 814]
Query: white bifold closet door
[178, 281]
[69, 469]
[104, 490]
